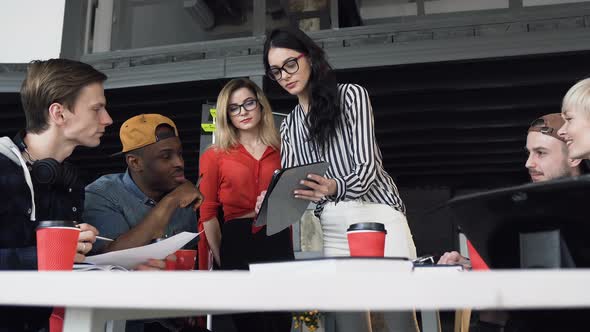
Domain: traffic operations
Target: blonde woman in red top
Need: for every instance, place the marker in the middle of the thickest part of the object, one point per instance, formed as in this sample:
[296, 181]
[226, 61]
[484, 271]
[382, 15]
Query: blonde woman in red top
[235, 170]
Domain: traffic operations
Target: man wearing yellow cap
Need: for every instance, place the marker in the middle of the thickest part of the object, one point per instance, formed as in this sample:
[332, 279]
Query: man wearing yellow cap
[152, 199]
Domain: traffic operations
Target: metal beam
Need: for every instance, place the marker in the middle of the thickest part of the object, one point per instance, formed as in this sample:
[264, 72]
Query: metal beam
[409, 24]
[244, 66]
[421, 11]
[165, 73]
[347, 58]
[74, 29]
[372, 55]
[460, 49]
[259, 18]
[515, 4]
[11, 82]
[103, 25]
[258, 79]
[203, 46]
[449, 20]
[334, 20]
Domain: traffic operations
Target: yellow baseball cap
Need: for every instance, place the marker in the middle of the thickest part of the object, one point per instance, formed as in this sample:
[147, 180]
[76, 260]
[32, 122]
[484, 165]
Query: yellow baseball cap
[140, 131]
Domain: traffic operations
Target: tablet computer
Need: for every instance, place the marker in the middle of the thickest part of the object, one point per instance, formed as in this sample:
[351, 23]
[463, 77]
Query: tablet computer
[280, 208]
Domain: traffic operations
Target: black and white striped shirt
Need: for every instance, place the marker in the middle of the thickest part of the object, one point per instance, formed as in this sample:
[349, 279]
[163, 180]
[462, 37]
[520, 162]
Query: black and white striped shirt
[354, 156]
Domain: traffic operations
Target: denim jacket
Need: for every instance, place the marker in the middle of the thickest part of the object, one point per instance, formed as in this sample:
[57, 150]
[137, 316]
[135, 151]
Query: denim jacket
[114, 204]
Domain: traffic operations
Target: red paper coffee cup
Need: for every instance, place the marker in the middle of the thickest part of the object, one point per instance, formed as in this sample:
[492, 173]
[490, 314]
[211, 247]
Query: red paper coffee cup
[170, 265]
[185, 259]
[367, 239]
[56, 320]
[56, 245]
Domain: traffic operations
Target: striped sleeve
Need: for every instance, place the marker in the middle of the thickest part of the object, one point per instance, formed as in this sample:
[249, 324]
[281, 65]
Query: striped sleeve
[359, 115]
[287, 153]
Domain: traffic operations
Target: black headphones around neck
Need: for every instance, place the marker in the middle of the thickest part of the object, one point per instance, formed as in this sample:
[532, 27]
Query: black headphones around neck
[49, 171]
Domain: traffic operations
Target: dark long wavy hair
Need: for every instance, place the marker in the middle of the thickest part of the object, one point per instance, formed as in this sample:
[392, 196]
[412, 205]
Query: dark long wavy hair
[323, 116]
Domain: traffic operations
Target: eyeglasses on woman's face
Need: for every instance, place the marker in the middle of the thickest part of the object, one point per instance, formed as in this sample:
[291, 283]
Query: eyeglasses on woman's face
[291, 66]
[248, 105]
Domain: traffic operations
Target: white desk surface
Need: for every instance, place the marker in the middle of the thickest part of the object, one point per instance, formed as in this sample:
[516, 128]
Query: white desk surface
[243, 291]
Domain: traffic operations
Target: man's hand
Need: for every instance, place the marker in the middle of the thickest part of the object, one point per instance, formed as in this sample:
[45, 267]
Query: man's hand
[155, 264]
[185, 195]
[259, 201]
[320, 188]
[85, 240]
[455, 258]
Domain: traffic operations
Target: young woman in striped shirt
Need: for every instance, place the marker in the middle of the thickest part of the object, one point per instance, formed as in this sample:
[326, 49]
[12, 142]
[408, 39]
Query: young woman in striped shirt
[334, 122]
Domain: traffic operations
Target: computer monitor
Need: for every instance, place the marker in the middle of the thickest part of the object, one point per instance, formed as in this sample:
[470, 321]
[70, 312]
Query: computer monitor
[544, 224]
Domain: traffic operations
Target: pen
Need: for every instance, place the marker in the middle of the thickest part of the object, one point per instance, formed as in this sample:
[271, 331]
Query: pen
[98, 237]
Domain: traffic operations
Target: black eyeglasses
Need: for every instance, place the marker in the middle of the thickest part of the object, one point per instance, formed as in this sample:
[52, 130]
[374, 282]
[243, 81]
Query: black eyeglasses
[541, 125]
[290, 67]
[248, 105]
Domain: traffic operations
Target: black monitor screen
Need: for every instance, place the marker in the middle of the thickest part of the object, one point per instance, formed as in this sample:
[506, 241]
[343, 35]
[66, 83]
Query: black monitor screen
[494, 220]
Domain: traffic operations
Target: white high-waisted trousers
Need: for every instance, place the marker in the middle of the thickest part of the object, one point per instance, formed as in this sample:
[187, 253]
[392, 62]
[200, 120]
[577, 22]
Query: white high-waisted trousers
[335, 219]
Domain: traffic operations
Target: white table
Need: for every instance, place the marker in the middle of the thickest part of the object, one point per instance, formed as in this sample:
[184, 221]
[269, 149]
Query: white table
[95, 297]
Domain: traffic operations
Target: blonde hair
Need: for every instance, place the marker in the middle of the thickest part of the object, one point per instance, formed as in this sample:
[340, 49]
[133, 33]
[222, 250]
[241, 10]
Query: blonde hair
[226, 135]
[578, 96]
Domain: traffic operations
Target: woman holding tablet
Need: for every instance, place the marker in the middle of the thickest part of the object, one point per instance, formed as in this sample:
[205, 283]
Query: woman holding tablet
[334, 122]
[234, 171]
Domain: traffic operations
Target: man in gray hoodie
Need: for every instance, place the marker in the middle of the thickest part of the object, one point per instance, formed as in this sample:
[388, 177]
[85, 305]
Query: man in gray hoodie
[65, 107]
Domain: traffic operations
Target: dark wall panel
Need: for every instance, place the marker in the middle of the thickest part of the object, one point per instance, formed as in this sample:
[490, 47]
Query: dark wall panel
[181, 102]
[455, 126]
[460, 124]
[442, 127]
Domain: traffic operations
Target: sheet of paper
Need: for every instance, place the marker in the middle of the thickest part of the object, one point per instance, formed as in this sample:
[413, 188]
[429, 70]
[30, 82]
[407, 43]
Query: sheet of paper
[336, 265]
[91, 267]
[130, 258]
[437, 268]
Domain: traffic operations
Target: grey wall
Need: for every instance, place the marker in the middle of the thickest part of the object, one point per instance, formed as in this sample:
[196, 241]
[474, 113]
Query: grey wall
[165, 22]
[162, 23]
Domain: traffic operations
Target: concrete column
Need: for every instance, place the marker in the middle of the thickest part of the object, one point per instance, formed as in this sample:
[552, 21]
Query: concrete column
[103, 26]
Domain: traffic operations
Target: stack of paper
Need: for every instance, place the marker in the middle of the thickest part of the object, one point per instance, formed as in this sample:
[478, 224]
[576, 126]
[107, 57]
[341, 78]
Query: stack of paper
[92, 267]
[130, 258]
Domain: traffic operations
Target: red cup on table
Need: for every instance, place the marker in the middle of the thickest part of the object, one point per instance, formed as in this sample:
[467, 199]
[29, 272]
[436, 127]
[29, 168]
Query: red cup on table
[185, 260]
[366, 239]
[57, 241]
